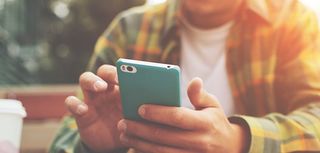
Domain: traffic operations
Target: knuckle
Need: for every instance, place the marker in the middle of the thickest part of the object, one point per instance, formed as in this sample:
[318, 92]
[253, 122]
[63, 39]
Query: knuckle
[208, 121]
[157, 149]
[205, 145]
[209, 124]
[178, 116]
[156, 132]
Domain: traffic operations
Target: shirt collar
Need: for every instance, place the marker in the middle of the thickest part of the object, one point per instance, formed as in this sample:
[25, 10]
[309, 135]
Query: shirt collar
[260, 8]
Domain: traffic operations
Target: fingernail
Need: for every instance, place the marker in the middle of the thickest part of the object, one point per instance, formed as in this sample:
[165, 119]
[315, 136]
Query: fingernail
[68, 100]
[142, 110]
[122, 126]
[99, 85]
[81, 109]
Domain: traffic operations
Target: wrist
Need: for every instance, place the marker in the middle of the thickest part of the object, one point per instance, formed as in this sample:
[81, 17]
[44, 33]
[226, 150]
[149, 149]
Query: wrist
[241, 138]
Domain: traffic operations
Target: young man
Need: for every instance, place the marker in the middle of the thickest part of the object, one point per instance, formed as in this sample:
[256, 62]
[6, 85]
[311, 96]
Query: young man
[259, 59]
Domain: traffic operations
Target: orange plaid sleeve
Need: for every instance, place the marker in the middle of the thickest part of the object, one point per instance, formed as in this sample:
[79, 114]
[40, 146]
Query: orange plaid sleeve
[295, 127]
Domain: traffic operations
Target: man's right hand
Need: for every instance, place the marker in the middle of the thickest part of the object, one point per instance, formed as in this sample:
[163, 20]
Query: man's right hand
[97, 117]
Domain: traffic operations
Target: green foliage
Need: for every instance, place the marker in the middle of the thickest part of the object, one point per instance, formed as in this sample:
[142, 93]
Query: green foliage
[49, 46]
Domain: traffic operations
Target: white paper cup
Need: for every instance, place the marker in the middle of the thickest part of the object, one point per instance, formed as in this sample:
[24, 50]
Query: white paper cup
[11, 118]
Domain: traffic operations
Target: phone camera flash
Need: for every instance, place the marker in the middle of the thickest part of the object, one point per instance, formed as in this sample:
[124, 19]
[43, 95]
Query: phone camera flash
[123, 68]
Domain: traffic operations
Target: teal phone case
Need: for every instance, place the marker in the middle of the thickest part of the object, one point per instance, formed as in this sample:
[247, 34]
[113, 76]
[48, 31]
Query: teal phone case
[147, 83]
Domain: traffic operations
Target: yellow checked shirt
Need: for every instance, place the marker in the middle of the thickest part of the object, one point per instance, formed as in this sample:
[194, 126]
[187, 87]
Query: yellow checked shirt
[273, 64]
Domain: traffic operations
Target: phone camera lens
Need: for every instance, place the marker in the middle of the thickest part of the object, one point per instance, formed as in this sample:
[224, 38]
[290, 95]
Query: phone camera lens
[129, 68]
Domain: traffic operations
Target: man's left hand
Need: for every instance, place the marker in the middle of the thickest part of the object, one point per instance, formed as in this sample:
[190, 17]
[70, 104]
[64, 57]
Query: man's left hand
[183, 130]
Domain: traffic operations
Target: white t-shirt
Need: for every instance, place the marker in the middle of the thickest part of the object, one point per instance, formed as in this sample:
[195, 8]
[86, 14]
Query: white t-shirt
[203, 55]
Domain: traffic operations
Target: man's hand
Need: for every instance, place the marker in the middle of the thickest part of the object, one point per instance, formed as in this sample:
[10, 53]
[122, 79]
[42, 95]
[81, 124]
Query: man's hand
[178, 129]
[97, 117]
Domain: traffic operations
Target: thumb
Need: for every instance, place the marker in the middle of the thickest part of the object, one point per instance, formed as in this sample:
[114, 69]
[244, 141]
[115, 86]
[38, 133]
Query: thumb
[199, 97]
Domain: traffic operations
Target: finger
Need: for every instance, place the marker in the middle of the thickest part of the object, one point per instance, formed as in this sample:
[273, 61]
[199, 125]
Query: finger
[179, 117]
[147, 146]
[83, 114]
[92, 83]
[160, 135]
[75, 107]
[199, 97]
[108, 73]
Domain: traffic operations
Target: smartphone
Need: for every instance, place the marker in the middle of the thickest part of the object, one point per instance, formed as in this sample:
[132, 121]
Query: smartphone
[147, 83]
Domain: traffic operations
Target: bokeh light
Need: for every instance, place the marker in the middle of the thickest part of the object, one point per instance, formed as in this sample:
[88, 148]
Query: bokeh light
[313, 4]
[153, 2]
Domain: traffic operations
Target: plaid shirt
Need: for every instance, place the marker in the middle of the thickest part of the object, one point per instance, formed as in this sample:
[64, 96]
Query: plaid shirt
[273, 65]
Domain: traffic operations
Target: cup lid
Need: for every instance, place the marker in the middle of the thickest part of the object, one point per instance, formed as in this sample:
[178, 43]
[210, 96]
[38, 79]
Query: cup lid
[12, 106]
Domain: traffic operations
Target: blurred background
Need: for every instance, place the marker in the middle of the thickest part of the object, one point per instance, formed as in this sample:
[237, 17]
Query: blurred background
[42, 39]
[44, 46]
